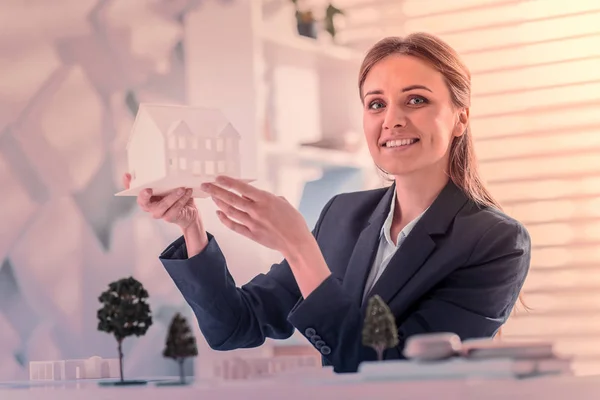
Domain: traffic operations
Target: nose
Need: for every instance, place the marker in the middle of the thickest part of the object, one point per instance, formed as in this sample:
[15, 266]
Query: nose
[394, 118]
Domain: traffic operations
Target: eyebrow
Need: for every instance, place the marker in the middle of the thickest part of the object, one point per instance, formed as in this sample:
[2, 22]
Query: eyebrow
[405, 89]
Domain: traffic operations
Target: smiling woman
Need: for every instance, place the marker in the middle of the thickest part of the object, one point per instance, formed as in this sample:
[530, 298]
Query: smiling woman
[434, 246]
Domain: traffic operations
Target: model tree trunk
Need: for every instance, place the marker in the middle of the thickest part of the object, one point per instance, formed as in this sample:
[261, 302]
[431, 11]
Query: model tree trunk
[181, 375]
[120, 348]
[379, 349]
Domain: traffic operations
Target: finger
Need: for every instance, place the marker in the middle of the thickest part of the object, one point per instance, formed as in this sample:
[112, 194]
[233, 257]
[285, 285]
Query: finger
[233, 212]
[228, 197]
[240, 186]
[234, 226]
[159, 208]
[173, 213]
[143, 199]
[126, 180]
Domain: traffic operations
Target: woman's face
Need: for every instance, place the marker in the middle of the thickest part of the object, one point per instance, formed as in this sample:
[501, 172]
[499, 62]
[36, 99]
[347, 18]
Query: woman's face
[409, 119]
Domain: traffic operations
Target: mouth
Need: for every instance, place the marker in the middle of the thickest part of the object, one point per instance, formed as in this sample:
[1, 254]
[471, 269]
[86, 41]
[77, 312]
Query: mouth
[399, 143]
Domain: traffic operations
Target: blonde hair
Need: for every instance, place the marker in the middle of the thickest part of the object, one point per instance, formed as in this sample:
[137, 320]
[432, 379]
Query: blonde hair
[463, 169]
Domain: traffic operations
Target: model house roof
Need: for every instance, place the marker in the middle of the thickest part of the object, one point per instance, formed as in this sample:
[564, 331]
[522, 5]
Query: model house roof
[183, 120]
[180, 128]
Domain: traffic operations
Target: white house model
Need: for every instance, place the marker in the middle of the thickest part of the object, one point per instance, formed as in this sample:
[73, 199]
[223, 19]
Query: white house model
[180, 146]
[92, 368]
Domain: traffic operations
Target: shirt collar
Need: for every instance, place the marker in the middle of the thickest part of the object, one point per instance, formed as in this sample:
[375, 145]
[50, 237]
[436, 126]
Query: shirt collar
[386, 229]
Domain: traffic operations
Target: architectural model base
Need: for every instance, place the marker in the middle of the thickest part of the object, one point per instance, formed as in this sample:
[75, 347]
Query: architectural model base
[163, 186]
[175, 383]
[123, 383]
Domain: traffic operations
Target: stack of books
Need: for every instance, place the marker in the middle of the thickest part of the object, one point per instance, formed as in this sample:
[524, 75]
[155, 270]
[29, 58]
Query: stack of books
[444, 356]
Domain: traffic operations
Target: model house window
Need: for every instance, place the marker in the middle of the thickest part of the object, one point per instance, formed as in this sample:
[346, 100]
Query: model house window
[172, 142]
[210, 167]
[219, 144]
[182, 163]
[208, 144]
[197, 168]
[181, 142]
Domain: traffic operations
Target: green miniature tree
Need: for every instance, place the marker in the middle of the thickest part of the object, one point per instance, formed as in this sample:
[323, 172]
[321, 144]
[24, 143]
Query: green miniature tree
[181, 343]
[379, 330]
[124, 312]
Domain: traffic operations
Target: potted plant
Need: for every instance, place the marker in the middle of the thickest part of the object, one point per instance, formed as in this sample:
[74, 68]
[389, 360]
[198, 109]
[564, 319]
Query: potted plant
[330, 14]
[305, 21]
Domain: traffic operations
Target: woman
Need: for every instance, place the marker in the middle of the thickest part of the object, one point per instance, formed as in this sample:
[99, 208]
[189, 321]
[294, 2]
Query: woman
[434, 245]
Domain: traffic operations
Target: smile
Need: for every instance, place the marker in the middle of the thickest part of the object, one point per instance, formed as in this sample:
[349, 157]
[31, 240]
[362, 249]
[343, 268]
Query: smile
[400, 142]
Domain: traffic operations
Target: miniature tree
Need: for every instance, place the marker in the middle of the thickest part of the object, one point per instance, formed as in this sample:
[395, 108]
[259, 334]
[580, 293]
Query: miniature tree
[124, 312]
[379, 330]
[181, 343]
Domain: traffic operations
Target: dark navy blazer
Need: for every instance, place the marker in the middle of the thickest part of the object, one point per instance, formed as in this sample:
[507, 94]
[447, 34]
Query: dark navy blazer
[459, 270]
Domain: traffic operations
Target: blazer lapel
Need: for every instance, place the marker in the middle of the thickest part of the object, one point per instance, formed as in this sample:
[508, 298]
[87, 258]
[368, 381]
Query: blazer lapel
[419, 244]
[365, 249]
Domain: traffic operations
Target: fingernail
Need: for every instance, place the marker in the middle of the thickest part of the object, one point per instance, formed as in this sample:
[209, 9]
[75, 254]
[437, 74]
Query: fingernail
[204, 186]
[188, 192]
[180, 191]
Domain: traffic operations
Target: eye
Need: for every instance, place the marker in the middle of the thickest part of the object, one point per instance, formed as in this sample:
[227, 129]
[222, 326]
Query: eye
[417, 100]
[376, 105]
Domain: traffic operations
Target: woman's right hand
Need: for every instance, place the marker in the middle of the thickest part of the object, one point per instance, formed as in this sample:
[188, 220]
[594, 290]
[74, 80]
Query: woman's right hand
[176, 207]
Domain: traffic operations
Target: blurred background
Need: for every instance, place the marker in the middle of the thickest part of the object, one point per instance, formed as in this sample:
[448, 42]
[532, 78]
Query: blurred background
[73, 73]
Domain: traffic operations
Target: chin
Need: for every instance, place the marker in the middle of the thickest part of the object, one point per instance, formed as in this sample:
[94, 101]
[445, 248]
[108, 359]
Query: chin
[396, 170]
[424, 170]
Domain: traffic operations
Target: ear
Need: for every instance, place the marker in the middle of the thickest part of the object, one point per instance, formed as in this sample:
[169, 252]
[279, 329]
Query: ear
[462, 123]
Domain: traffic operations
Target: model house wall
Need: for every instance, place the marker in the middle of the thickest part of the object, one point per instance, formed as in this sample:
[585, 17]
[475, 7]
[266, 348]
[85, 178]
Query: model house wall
[175, 141]
[146, 151]
[202, 154]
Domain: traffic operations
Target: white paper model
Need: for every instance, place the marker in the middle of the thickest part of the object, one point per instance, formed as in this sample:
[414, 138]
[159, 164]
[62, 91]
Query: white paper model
[180, 146]
[259, 367]
[92, 368]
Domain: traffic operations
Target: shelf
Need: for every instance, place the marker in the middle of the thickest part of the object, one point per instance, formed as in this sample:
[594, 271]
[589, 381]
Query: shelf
[318, 156]
[299, 50]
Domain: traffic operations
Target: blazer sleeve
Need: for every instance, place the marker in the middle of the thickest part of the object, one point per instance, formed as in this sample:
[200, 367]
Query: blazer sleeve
[474, 301]
[232, 317]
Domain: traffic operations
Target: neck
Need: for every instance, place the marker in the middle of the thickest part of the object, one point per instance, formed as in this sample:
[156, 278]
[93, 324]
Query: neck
[416, 192]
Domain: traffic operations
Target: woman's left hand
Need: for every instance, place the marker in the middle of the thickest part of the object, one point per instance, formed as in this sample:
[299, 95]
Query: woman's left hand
[257, 214]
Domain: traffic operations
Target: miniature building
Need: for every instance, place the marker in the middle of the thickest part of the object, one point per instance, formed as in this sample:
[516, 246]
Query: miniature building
[178, 142]
[91, 368]
[293, 356]
[260, 367]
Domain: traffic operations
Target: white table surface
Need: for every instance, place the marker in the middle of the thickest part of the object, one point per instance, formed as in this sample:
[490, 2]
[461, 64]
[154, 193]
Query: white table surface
[571, 388]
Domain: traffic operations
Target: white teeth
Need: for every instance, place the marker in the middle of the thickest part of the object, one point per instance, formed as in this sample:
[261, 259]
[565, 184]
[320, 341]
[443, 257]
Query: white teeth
[400, 142]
